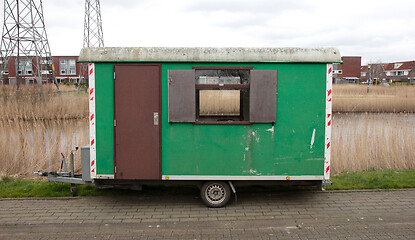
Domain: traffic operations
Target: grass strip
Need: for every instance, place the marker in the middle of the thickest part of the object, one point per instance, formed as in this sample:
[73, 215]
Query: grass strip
[373, 179]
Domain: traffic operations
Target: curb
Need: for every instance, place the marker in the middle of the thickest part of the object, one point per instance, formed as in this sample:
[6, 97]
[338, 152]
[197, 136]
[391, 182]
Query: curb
[278, 192]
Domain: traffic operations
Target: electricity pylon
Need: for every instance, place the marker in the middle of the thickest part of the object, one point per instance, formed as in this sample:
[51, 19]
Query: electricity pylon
[24, 46]
[93, 36]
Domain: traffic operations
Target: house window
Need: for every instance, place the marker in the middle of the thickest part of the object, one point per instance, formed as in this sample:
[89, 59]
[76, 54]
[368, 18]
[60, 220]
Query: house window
[222, 95]
[67, 66]
[24, 66]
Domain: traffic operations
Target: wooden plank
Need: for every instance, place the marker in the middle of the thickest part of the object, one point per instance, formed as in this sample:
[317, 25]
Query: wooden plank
[263, 96]
[182, 103]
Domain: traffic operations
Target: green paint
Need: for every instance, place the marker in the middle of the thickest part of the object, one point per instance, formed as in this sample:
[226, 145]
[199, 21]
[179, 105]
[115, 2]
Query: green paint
[189, 149]
[253, 149]
[104, 105]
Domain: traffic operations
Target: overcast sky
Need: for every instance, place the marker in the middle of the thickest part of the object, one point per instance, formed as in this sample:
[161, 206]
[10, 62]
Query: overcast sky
[377, 30]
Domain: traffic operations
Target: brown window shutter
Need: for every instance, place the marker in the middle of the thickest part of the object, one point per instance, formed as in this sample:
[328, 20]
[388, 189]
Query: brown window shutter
[182, 106]
[263, 96]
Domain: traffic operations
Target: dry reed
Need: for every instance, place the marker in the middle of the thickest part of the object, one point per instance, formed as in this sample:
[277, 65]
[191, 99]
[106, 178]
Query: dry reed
[35, 131]
[26, 147]
[26, 104]
[373, 141]
[354, 98]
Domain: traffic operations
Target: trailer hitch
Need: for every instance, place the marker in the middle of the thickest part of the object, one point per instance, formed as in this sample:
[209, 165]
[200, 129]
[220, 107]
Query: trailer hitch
[63, 174]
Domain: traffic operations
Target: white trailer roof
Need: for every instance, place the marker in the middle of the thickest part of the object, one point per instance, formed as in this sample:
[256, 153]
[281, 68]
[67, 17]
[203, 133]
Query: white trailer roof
[162, 54]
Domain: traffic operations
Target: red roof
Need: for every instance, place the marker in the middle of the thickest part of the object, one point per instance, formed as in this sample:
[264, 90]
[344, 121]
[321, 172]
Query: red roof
[393, 66]
[399, 66]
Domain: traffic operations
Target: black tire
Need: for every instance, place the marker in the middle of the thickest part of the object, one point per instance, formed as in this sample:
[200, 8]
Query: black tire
[73, 190]
[215, 194]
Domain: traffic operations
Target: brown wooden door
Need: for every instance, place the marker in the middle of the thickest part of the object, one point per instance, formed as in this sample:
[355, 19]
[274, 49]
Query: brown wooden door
[137, 114]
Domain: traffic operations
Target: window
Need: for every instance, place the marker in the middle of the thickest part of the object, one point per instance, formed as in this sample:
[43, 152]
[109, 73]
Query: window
[67, 66]
[46, 61]
[24, 66]
[232, 95]
[222, 95]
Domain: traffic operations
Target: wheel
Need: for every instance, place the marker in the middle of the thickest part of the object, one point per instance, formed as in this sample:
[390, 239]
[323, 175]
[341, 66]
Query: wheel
[215, 194]
[73, 190]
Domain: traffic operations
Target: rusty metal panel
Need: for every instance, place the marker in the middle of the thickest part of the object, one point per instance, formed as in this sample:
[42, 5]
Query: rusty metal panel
[137, 124]
[182, 106]
[263, 96]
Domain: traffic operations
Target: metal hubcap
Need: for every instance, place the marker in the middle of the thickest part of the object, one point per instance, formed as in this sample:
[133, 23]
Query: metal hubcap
[215, 193]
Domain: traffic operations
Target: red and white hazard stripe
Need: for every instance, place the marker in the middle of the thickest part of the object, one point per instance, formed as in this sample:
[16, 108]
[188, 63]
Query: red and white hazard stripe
[329, 101]
[92, 128]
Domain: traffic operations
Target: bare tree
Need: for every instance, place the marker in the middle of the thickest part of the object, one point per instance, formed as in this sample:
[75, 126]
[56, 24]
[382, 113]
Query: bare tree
[377, 72]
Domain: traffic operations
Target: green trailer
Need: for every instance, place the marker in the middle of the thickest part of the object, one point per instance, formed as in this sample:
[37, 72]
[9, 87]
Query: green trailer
[217, 117]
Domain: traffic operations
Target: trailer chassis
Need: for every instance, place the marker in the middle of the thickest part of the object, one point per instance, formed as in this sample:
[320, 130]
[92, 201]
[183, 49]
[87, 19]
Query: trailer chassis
[214, 193]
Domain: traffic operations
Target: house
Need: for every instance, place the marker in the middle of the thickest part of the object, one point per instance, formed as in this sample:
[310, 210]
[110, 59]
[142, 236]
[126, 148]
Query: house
[348, 71]
[400, 71]
[390, 72]
[66, 69]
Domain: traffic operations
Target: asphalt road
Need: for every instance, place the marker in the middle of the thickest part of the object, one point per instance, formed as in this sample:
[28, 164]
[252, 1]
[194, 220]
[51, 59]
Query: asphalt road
[284, 215]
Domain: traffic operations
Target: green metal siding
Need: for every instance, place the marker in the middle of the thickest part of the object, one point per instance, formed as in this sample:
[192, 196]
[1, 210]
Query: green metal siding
[235, 150]
[253, 149]
[104, 109]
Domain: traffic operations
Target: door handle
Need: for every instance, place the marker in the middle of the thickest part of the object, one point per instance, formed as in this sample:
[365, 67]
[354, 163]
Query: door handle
[156, 118]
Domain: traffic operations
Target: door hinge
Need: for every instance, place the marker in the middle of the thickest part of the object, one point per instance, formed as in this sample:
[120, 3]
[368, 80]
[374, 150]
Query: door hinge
[114, 75]
[115, 169]
[115, 123]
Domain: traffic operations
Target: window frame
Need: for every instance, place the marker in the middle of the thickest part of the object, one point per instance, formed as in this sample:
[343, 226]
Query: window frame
[259, 106]
[220, 87]
[66, 65]
[24, 67]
